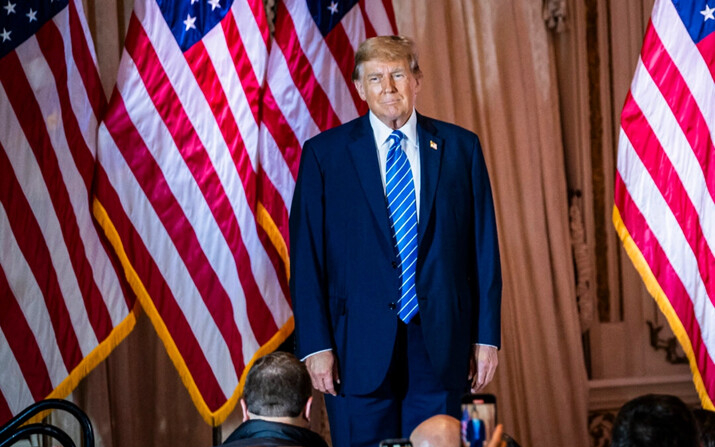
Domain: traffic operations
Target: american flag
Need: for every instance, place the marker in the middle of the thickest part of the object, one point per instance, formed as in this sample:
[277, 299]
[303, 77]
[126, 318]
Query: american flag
[665, 181]
[199, 153]
[195, 209]
[62, 302]
[310, 66]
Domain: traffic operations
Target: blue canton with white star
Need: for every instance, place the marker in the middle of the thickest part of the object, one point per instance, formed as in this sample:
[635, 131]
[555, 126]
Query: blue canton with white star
[20, 19]
[191, 20]
[698, 16]
[328, 13]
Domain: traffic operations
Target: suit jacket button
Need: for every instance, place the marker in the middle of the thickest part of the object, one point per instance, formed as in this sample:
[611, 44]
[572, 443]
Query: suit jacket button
[392, 306]
[394, 264]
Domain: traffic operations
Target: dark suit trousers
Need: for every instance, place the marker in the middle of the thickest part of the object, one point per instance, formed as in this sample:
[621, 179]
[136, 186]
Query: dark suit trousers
[410, 394]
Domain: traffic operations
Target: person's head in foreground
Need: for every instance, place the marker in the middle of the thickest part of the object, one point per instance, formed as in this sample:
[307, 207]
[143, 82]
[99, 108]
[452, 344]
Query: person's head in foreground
[437, 431]
[654, 420]
[706, 425]
[278, 389]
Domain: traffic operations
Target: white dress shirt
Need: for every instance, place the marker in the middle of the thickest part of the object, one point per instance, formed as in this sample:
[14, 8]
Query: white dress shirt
[410, 144]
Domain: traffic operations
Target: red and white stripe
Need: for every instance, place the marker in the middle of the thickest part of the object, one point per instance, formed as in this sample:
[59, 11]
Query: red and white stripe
[309, 87]
[60, 294]
[665, 185]
[180, 146]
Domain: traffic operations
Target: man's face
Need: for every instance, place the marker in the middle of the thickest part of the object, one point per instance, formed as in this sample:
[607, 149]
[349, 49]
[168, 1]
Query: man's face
[390, 90]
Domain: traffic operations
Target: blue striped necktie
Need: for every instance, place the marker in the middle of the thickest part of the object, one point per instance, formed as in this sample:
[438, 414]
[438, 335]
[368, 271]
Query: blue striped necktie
[400, 190]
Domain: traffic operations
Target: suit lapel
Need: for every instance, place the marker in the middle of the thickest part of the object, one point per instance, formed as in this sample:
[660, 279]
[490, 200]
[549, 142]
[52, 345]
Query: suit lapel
[363, 153]
[431, 149]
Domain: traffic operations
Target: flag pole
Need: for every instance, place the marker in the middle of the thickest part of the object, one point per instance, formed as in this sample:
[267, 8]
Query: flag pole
[217, 435]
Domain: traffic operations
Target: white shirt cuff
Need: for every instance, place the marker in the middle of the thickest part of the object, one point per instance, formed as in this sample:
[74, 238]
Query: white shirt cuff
[475, 344]
[316, 352]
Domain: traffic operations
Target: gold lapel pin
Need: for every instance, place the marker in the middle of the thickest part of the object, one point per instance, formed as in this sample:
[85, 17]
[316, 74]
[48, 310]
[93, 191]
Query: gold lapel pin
[433, 145]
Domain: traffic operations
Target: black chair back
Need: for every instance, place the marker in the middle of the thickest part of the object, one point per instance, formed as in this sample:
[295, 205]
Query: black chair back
[14, 430]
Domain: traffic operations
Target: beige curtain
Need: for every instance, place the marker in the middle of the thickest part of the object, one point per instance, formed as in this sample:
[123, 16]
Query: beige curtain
[136, 398]
[489, 66]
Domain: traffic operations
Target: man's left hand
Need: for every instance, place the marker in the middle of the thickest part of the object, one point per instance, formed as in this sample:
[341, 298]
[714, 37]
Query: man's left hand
[482, 365]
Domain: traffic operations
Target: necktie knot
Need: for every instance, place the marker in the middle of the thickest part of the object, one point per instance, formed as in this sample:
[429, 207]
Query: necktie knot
[395, 138]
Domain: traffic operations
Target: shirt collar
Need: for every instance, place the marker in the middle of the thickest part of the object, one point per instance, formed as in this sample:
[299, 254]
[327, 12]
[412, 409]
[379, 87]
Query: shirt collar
[382, 131]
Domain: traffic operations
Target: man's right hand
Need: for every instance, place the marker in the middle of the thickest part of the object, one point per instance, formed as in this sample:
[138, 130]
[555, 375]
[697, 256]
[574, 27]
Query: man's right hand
[323, 370]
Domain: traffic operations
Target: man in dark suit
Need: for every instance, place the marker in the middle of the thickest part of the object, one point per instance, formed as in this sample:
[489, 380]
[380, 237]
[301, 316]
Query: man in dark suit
[395, 274]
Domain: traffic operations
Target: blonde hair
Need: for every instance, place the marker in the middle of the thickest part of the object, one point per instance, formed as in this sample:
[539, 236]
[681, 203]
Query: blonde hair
[389, 48]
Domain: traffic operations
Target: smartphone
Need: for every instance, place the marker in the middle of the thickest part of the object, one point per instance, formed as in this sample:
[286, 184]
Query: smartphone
[479, 419]
[401, 442]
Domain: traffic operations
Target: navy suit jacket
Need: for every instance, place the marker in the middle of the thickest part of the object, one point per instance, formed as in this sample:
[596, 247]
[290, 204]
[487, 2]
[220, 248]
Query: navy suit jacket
[344, 280]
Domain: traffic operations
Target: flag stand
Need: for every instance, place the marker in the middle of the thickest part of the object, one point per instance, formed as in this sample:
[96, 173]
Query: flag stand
[216, 435]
